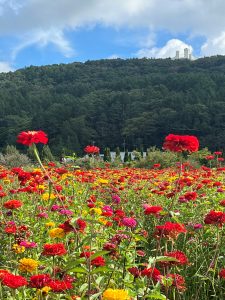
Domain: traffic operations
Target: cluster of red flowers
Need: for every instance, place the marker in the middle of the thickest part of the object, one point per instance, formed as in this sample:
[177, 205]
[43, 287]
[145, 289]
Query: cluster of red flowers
[180, 143]
[41, 280]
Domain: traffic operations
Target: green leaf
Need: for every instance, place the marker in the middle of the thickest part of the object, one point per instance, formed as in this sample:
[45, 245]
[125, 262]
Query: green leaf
[74, 263]
[79, 270]
[101, 269]
[99, 279]
[156, 295]
[83, 287]
[140, 238]
[99, 253]
[95, 296]
[165, 258]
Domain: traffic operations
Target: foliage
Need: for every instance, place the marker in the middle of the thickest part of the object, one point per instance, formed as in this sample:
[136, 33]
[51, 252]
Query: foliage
[107, 155]
[13, 158]
[135, 102]
[156, 156]
[46, 154]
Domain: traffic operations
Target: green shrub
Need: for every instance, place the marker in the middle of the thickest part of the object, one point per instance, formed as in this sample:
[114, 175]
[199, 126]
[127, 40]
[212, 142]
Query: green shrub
[155, 156]
[12, 158]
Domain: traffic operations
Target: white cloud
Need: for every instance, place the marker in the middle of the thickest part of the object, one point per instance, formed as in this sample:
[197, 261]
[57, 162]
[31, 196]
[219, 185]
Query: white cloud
[169, 50]
[43, 38]
[5, 67]
[47, 20]
[214, 46]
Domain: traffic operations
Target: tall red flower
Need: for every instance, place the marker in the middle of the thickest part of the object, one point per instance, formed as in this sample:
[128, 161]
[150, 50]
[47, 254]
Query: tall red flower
[32, 137]
[91, 149]
[54, 249]
[180, 143]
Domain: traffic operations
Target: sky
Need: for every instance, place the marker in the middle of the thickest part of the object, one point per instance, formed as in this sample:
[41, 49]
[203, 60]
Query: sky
[42, 32]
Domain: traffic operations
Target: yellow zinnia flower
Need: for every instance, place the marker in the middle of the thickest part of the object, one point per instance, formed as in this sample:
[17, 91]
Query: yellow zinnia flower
[47, 197]
[50, 224]
[18, 249]
[111, 294]
[56, 233]
[96, 210]
[28, 265]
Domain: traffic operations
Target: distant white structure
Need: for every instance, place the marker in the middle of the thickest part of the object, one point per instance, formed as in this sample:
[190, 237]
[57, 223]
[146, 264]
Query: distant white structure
[177, 54]
[187, 54]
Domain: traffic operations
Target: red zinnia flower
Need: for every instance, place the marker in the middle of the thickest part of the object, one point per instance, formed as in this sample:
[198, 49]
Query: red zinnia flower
[178, 255]
[178, 281]
[12, 204]
[151, 273]
[209, 157]
[29, 137]
[98, 261]
[169, 230]
[218, 153]
[80, 225]
[154, 210]
[14, 281]
[39, 281]
[60, 286]
[3, 273]
[215, 217]
[135, 272]
[54, 249]
[180, 143]
[66, 226]
[222, 273]
[91, 149]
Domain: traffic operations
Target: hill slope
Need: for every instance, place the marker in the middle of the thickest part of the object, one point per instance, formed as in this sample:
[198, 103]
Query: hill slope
[138, 101]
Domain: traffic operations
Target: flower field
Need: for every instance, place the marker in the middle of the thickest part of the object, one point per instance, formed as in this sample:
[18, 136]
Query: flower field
[112, 233]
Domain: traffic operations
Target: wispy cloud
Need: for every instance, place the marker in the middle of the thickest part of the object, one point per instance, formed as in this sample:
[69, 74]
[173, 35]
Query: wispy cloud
[42, 39]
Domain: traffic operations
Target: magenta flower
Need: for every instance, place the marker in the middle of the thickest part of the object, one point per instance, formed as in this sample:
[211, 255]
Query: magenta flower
[129, 222]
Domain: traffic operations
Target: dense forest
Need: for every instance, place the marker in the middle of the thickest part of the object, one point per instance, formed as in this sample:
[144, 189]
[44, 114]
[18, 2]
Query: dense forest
[126, 103]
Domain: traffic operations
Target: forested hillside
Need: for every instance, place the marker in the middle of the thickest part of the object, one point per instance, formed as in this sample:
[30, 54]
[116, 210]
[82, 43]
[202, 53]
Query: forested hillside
[136, 101]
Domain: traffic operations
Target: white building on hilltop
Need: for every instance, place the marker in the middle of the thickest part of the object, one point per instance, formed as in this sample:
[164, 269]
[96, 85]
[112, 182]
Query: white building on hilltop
[187, 54]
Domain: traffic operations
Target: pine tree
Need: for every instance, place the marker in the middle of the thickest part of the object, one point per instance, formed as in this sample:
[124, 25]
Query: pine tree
[107, 154]
[118, 156]
[46, 154]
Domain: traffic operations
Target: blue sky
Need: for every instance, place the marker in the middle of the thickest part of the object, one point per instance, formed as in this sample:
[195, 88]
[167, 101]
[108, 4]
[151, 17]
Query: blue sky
[41, 32]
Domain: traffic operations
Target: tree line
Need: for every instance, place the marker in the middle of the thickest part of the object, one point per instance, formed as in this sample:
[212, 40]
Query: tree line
[130, 104]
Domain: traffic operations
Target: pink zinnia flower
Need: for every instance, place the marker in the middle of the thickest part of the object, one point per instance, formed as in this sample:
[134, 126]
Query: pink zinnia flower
[129, 222]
